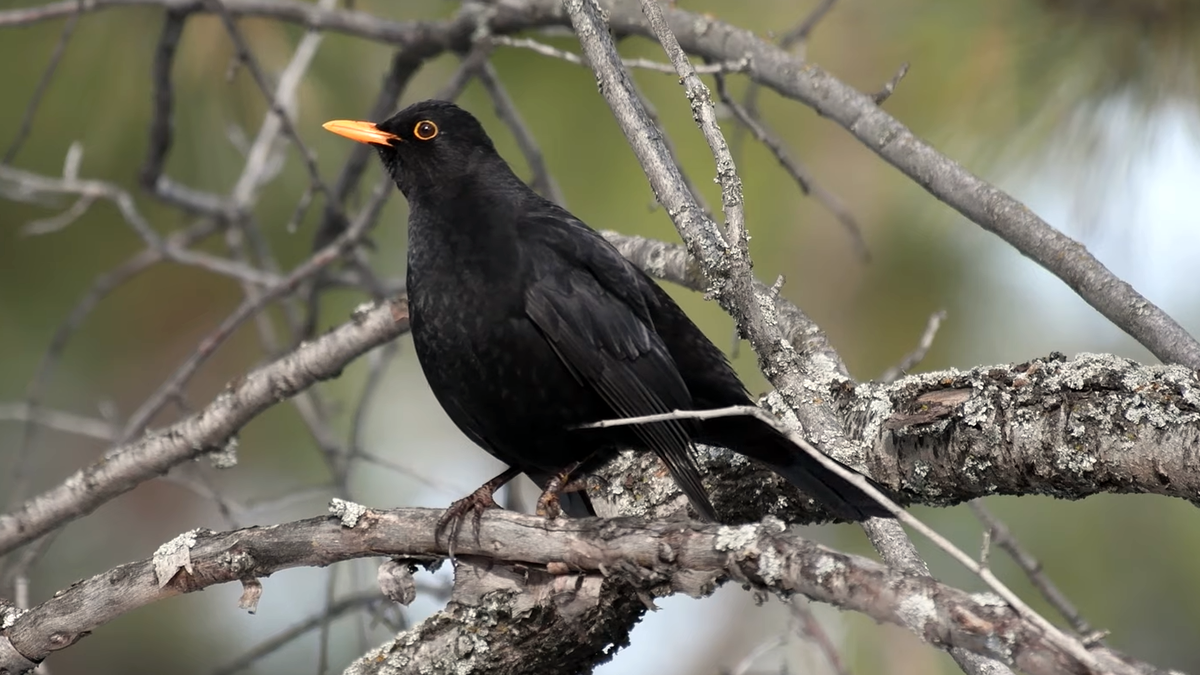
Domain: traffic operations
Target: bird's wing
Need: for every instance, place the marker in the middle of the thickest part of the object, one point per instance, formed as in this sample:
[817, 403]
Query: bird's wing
[589, 311]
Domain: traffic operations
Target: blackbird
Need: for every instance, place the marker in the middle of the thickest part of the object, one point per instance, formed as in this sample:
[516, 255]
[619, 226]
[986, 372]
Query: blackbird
[529, 326]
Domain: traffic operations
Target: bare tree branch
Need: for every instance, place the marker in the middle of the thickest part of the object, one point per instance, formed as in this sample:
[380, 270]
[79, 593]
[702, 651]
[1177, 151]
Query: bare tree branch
[128, 466]
[101, 287]
[801, 175]
[59, 420]
[507, 111]
[811, 629]
[39, 91]
[547, 50]
[574, 559]
[987, 206]
[984, 204]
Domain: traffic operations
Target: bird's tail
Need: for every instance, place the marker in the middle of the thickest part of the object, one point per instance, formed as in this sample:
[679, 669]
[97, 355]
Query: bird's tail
[760, 441]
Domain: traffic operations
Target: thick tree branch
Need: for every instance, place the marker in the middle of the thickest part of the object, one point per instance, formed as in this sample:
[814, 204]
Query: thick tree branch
[572, 561]
[1066, 428]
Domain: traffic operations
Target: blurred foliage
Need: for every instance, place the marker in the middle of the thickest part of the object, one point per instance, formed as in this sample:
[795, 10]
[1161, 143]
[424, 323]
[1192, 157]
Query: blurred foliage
[995, 85]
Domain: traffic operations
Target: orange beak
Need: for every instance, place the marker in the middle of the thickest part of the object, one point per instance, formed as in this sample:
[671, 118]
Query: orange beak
[363, 132]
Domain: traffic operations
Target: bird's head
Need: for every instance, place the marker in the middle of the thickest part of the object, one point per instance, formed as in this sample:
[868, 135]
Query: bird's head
[426, 145]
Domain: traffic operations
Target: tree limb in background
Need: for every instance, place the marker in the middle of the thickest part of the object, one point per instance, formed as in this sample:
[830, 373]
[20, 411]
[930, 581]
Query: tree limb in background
[986, 205]
[209, 430]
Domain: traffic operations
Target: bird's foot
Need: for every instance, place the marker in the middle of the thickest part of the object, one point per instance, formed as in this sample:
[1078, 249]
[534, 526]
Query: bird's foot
[474, 504]
[547, 504]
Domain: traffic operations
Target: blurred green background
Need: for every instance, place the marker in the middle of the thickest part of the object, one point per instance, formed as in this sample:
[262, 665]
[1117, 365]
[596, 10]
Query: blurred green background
[1085, 109]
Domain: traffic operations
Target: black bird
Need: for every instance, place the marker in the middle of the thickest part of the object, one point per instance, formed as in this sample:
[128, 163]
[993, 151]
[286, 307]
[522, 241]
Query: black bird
[529, 325]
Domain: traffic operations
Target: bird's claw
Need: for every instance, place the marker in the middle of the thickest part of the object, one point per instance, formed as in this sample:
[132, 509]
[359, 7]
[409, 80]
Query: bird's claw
[475, 504]
[548, 506]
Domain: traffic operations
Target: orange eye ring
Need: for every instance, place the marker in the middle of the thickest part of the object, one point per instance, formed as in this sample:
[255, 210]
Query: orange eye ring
[425, 130]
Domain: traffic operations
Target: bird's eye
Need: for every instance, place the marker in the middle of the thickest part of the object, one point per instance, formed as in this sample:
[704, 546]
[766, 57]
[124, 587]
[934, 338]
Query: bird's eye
[425, 130]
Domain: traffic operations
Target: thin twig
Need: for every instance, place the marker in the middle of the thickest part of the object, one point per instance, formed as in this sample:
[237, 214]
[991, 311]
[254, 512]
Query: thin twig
[58, 420]
[100, 288]
[246, 56]
[248, 308]
[282, 104]
[890, 86]
[796, 170]
[44, 226]
[917, 355]
[471, 63]
[812, 629]
[405, 64]
[43, 85]
[743, 667]
[161, 129]
[703, 111]
[645, 64]
[1003, 537]
[24, 185]
[798, 35]
[192, 479]
[506, 109]
[321, 619]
